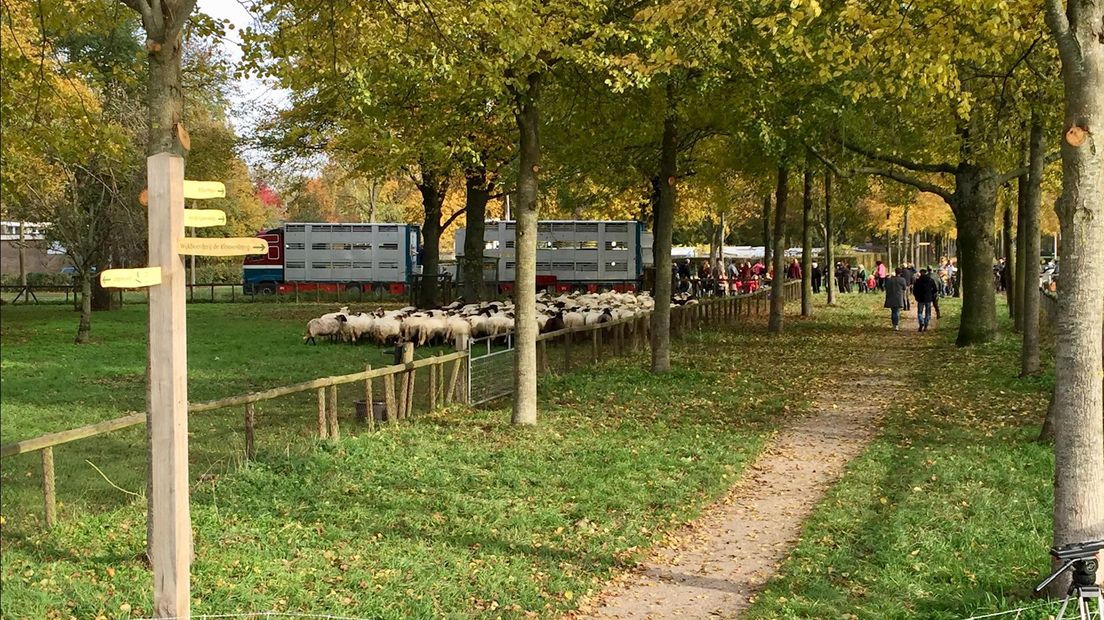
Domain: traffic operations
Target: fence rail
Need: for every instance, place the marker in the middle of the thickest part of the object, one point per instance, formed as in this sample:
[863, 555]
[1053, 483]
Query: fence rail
[448, 378]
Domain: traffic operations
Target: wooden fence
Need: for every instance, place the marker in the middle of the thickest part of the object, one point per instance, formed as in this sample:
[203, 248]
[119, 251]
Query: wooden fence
[397, 388]
[446, 380]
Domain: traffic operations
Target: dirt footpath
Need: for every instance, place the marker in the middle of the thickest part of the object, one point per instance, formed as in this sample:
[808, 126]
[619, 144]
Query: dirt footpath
[726, 557]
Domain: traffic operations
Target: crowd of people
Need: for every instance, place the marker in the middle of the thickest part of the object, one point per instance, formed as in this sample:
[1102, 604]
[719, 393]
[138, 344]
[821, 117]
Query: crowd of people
[732, 277]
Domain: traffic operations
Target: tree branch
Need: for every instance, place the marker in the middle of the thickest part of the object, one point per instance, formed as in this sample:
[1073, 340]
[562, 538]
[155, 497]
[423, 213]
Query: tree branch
[1022, 170]
[888, 173]
[944, 168]
[452, 218]
[143, 9]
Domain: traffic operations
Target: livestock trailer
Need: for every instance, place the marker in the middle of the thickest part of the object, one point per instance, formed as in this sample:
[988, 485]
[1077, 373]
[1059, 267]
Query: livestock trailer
[335, 256]
[572, 254]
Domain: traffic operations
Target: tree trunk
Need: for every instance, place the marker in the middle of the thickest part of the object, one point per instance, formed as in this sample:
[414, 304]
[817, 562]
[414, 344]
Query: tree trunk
[1009, 261]
[1021, 254]
[974, 204]
[477, 194]
[163, 92]
[778, 299]
[1079, 378]
[1029, 300]
[807, 246]
[905, 237]
[103, 298]
[84, 329]
[525, 280]
[433, 185]
[829, 238]
[664, 227]
[766, 232]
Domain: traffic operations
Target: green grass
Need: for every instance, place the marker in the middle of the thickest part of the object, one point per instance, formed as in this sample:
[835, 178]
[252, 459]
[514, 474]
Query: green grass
[48, 384]
[460, 515]
[456, 514]
[947, 514]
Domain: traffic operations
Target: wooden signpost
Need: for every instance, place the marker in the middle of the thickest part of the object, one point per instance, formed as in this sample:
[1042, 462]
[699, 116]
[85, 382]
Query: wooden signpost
[170, 517]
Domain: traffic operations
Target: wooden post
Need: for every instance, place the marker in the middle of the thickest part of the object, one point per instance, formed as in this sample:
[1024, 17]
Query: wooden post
[49, 495]
[404, 383]
[433, 387]
[335, 432]
[542, 352]
[567, 350]
[321, 413]
[249, 419]
[170, 522]
[594, 335]
[389, 397]
[368, 399]
[410, 395]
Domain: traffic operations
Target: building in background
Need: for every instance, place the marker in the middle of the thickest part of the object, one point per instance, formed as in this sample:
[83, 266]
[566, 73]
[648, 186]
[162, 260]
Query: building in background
[39, 255]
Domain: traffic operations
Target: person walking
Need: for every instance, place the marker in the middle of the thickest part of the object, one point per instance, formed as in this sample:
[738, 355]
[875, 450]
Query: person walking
[895, 298]
[879, 273]
[817, 276]
[926, 292]
[794, 272]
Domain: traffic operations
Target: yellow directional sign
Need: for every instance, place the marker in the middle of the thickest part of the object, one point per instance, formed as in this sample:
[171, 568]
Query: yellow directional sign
[218, 246]
[200, 218]
[199, 190]
[130, 278]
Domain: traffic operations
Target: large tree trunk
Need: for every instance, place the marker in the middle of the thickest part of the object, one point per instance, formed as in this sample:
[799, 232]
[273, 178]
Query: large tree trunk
[433, 185]
[807, 246]
[1029, 294]
[525, 280]
[661, 244]
[477, 194]
[84, 329]
[829, 238]
[767, 239]
[1079, 378]
[778, 298]
[1009, 262]
[974, 201]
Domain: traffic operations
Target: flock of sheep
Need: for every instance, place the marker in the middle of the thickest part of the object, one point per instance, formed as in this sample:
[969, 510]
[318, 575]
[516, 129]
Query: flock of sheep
[457, 322]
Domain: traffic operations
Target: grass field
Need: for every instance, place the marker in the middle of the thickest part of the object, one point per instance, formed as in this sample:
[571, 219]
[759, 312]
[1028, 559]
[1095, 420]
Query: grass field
[460, 515]
[48, 384]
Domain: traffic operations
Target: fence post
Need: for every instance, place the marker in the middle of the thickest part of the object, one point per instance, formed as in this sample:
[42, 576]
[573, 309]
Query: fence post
[335, 432]
[321, 413]
[433, 388]
[594, 335]
[407, 379]
[49, 496]
[249, 419]
[541, 352]
[389, 397]
[371, 408]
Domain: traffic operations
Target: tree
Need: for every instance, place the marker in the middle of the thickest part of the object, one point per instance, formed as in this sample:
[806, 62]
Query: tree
[958, 108]
[829, 241]
[807, 244]
[1028, 293]
[777, 298]
[1079, 378]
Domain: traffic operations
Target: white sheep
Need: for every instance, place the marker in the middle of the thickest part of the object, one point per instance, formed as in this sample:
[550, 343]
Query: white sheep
[330, 326]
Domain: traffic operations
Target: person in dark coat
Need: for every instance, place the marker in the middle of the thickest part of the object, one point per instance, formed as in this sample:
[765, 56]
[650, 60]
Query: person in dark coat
[925, 291]
[895, 298]
[817, 275]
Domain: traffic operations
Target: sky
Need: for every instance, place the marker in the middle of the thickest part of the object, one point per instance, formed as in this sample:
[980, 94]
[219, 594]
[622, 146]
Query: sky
[253, 99]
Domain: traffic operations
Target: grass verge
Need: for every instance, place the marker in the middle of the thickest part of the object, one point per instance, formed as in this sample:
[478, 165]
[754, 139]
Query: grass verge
[947, 514]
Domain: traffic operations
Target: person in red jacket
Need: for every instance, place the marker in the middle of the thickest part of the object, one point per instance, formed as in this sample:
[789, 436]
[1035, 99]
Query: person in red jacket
[794, 271]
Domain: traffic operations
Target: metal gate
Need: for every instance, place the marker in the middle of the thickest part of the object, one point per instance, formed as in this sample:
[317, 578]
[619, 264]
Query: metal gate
[490, 368]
